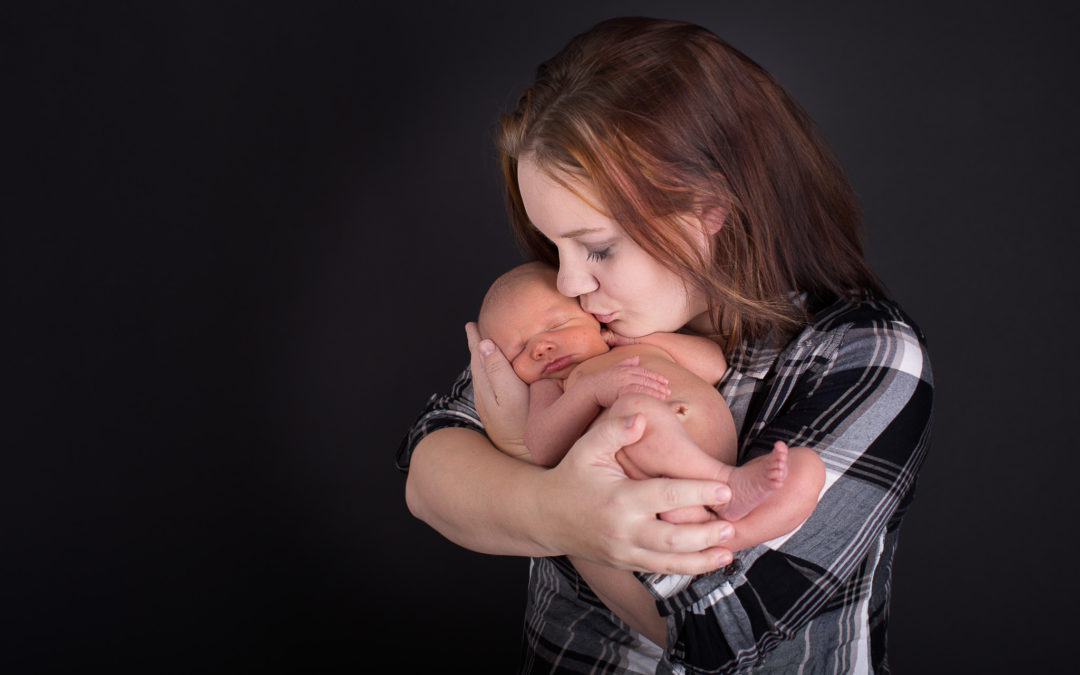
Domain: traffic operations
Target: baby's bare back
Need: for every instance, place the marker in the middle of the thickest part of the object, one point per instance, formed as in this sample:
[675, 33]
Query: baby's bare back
[695, 402]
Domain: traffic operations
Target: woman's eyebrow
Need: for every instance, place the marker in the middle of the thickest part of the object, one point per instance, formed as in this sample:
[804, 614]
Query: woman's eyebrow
[578, 232]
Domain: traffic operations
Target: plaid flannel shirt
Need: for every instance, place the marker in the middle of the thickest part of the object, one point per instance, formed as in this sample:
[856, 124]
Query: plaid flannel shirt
[855, 386]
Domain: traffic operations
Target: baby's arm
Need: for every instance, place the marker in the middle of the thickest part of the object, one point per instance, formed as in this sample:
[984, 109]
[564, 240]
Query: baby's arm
[700, 355]
[558, 418]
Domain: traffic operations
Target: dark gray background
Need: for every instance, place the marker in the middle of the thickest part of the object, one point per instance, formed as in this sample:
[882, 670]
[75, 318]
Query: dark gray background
[242, 240]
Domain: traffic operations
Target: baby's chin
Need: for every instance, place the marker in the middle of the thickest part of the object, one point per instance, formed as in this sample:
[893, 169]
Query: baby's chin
[558, 376]
[561, 374]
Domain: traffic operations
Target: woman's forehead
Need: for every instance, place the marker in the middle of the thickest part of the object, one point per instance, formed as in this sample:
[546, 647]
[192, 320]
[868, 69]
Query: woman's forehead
[559, 205]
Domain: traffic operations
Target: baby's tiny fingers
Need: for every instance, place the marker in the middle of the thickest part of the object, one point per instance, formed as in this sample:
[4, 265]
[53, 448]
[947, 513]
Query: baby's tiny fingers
[651, 375]
[659, 382]
[637, 388]
[643, 380]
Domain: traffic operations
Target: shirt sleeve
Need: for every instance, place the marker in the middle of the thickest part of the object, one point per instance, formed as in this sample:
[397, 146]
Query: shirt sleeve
[862, 400]
[454, 409]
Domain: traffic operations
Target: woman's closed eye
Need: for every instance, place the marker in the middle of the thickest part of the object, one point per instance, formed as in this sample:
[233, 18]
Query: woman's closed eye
[598, 255]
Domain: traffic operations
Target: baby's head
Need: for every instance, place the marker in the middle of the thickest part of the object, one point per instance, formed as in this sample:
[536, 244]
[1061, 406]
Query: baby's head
[543, 333]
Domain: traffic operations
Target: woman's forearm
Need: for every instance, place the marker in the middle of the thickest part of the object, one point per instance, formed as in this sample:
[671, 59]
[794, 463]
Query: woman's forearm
[473, 494]
[488, 502]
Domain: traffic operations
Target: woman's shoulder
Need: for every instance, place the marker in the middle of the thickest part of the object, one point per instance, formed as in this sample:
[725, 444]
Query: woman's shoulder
[867, 331]
[863, 311]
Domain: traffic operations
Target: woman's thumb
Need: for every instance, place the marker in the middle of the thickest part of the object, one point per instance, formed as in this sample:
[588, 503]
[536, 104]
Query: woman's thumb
[618, 432]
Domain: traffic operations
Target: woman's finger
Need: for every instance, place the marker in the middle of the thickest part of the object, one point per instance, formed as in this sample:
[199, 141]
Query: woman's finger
[663, 537]
[487, 361]
[688, 514]
[614, 433]
[698, 562]
[658, 495]
[501, 398]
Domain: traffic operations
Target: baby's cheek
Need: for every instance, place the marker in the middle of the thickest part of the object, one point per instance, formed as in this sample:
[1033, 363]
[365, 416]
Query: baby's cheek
[524, 371]
[572, 377]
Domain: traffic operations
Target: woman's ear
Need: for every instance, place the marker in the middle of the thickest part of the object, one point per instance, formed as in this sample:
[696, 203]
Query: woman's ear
[715, 218]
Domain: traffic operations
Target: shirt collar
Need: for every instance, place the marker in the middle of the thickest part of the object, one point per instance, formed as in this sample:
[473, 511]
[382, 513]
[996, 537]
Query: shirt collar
[755, 359]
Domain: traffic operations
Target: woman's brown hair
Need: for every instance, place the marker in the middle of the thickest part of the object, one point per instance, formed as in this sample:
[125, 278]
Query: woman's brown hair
[663, 119]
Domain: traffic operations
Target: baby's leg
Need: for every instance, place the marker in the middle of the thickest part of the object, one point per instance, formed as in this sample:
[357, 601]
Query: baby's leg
[666, 448]
[666, 429]
[786, 508]
[752, 482]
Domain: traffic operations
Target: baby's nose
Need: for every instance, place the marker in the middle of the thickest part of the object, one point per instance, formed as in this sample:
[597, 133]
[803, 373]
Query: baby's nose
[542, 347]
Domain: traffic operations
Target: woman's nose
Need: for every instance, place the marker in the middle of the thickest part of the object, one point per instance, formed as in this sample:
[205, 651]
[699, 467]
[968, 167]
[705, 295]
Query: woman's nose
[573, 280]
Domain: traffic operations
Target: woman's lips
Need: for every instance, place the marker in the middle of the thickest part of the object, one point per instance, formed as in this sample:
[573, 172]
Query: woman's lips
[557, 365]
[603, 318]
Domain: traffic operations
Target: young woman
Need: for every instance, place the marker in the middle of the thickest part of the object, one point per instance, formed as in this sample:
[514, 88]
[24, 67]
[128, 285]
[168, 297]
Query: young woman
[677, 187]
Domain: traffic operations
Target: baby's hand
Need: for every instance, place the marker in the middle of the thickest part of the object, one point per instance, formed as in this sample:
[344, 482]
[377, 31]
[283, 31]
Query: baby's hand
[613, 339]
[625, 377]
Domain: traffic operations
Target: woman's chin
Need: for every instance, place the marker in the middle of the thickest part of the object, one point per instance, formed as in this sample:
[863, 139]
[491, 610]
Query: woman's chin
[629, 329]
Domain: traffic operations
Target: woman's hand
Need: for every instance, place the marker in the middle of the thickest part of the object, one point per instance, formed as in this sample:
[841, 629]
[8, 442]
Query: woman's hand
[500, 396]
[589, 508]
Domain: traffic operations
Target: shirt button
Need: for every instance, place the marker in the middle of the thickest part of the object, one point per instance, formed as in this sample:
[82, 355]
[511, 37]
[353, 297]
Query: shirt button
[733, 567]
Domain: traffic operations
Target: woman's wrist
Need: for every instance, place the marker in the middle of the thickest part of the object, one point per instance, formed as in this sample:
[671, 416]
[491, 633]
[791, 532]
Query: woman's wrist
[473, 494]
[551, 514]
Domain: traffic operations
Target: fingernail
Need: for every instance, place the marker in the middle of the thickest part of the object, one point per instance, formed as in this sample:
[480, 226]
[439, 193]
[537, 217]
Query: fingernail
[629, 421]
[723, 494]
[487, 347]
[723, 559]
[725, 532]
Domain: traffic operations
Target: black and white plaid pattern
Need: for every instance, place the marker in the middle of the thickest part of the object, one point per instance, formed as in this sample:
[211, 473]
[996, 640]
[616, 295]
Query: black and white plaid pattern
[855, 386]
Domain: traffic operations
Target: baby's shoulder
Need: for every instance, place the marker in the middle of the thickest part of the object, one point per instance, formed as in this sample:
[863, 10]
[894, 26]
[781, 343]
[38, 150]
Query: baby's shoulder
[649, 356]
[643, 351]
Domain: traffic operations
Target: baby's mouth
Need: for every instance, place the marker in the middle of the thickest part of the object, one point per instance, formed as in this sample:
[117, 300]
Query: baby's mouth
[557, 365]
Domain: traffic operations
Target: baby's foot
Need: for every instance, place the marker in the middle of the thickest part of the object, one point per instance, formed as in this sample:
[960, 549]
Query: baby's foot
[752, 482]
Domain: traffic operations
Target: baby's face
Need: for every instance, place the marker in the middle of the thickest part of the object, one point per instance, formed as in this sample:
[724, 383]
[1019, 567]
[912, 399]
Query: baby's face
[543, 333]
